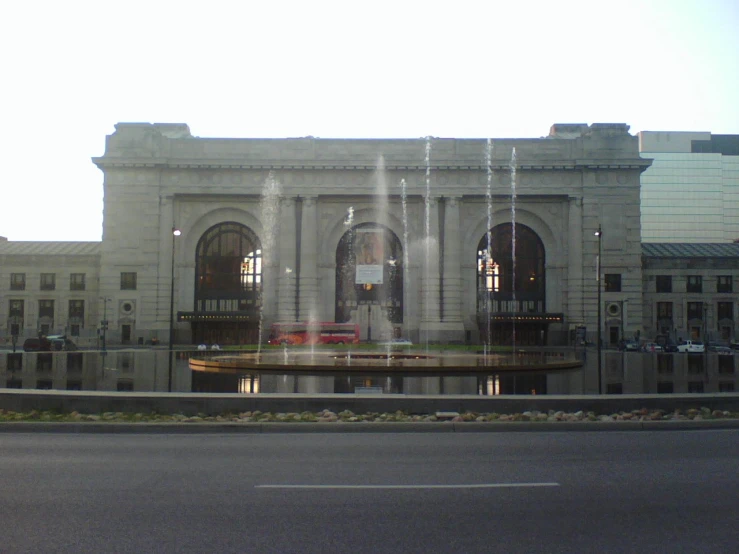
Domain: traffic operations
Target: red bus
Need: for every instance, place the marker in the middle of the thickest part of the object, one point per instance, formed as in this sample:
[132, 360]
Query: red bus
[314, 333]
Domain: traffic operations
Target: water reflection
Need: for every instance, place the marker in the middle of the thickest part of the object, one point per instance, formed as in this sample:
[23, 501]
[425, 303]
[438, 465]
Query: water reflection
[146, 371]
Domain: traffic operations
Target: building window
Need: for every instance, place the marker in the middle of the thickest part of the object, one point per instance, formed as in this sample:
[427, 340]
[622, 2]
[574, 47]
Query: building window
[228, 261]
[74, 361]
[725, 310]
[16, 308]
[695, 283]
[77, 281]
[664, 310]
[15, 361]
[723, 284]
[695, 386]
[695, 310]
[74, 330]
[664, 283]
[613, 282]
[726, 365]
[44, 362]
[665, 387]
[46, 308]
[614, 388]
[17, 281]
[665, 364]
[48, 281]
[128, 280]
[725, 386]
[77, 309]
[695, 364]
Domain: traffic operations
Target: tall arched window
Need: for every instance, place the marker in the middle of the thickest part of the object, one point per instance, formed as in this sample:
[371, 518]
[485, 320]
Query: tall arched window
[369, 272]
[228, 275]
[495, 271]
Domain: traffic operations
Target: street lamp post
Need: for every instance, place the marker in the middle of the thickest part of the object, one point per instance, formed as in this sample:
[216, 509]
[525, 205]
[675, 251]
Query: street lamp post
[599, 234]
[104, 322]
[175, 233]
[705, 327]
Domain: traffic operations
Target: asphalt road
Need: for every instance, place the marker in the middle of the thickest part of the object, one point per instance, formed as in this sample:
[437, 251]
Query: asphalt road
[647, 492]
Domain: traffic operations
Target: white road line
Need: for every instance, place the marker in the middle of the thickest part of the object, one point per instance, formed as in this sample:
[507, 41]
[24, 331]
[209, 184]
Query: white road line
[471, 486]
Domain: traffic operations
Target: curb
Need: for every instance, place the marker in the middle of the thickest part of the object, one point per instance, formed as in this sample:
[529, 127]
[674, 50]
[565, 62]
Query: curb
[359, 427]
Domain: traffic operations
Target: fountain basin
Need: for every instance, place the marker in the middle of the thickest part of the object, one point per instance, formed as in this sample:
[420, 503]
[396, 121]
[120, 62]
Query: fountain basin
[416, 363]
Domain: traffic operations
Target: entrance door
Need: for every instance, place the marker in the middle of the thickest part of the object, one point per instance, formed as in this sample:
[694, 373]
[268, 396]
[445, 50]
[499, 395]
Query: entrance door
[226, 332]
[125, 334]
[373, 322]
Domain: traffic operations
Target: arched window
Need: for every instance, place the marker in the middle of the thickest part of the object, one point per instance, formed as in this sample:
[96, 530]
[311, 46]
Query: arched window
[369, 272]
[228, 275]
[495, 271]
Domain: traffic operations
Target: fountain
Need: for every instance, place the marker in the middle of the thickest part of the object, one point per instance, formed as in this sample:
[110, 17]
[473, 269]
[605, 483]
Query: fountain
[488, 255]
[427, 237]
[326, 361]
[270, 212]
[316, 361]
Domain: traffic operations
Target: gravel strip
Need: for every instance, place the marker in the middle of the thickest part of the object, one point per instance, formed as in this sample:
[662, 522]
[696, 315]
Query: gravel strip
[327, 416]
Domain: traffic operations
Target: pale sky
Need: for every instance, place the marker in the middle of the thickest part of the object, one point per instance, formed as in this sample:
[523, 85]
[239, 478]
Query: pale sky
[338, 69]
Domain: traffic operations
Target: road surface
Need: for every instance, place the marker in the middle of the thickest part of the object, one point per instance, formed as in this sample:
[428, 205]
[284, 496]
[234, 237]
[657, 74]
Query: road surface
[669, 491]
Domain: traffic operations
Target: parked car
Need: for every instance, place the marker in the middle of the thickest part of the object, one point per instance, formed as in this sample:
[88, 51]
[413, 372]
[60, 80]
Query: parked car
[652, 347]
[61, 342]
[691, 346]
[396, 342]
[720, 349]
[630, 346]
[37, 345]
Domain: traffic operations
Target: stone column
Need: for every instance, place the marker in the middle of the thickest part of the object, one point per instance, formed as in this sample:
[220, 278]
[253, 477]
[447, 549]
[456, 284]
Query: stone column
[575, 302]
[309, 293]
[430, 273]
[286, 277]
[452, 263]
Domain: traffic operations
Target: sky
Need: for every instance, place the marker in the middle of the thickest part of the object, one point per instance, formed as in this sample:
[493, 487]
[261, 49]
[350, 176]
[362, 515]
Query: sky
[338, 69]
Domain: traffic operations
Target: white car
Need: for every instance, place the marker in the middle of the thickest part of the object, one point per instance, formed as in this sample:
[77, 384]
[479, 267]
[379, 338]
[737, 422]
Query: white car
[691, 346]
[396, 342]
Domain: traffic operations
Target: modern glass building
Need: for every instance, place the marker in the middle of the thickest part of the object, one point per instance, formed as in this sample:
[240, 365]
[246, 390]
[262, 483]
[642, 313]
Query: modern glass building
[691, 191]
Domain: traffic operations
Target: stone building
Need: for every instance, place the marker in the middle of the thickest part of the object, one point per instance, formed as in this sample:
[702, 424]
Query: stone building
[689, 290]
[452, 240]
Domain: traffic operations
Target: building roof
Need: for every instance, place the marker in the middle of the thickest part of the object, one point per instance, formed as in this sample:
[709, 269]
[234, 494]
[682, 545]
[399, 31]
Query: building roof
[46, 248]
[690, 250]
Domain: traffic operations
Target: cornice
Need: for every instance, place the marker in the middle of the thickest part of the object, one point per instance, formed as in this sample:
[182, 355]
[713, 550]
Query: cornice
[279, 165]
